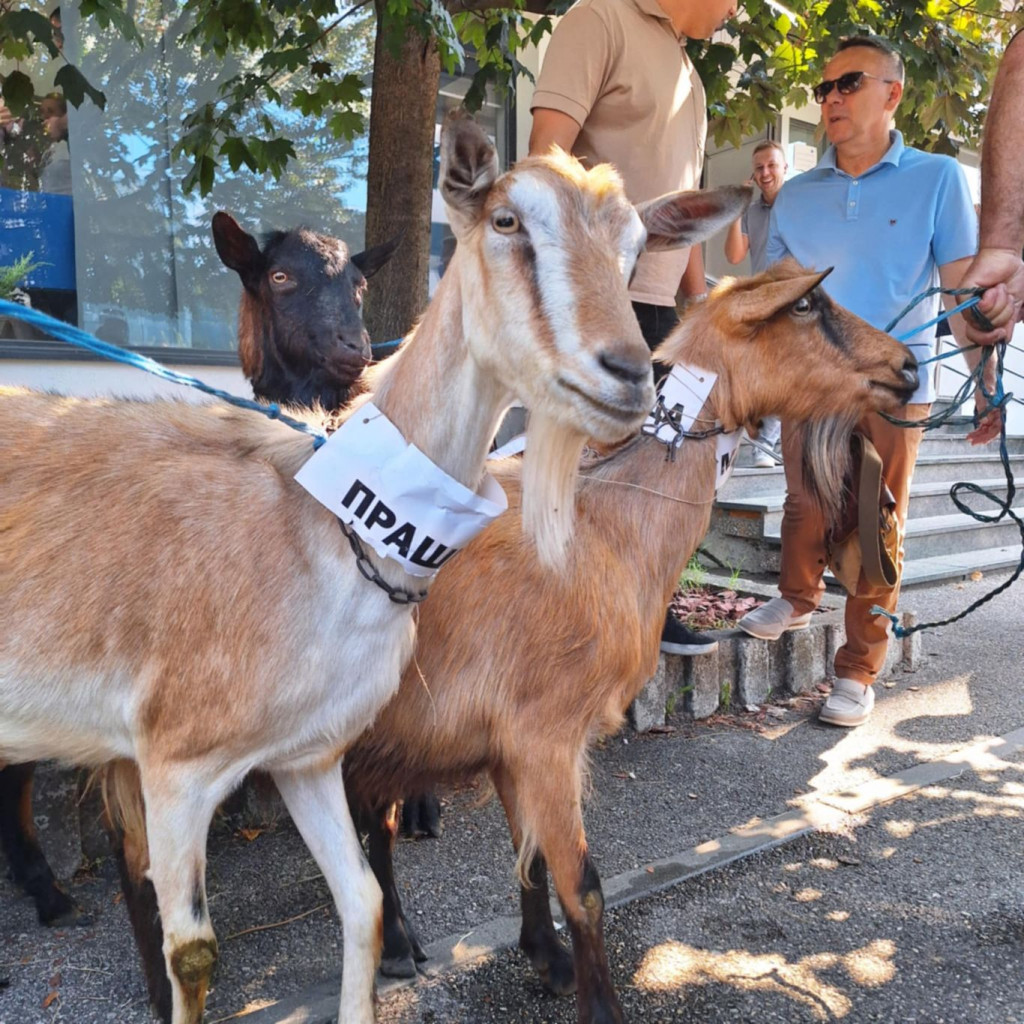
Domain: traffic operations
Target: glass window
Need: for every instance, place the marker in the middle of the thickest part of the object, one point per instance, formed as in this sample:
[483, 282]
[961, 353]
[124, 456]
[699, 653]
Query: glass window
[812, 135]
[95, 196]
[495, 118]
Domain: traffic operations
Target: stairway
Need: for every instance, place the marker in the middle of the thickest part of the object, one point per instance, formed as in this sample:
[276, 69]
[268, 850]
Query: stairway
[941, 543]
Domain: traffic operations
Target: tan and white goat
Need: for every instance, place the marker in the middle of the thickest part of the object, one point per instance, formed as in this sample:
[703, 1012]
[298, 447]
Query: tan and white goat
[517, 670]
[171, 596]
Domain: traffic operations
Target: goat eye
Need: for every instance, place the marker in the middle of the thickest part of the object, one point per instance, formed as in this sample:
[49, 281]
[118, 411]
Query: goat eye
[278, 277]
[505, 222]
[802, 306]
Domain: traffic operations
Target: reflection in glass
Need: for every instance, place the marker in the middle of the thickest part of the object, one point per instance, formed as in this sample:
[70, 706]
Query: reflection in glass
[102, 185]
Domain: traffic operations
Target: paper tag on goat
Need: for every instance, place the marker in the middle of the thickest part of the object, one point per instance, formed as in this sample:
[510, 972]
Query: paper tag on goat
[393, 497]
[726, 452]
[685, 389]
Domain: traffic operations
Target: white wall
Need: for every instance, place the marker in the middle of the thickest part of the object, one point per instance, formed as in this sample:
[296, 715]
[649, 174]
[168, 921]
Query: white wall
[87, 379]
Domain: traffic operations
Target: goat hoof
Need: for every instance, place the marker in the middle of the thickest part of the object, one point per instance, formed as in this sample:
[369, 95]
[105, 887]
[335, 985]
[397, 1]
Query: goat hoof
[58, 910]
[398, 966]
[74, 918]
[554, 966]
[603, 1013]
[421, 817]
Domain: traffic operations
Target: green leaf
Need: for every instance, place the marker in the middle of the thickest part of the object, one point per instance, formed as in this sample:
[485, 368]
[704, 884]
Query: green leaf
[346, 124]
[24, 23]
[76, 87]
[18, 93]
[236, 152]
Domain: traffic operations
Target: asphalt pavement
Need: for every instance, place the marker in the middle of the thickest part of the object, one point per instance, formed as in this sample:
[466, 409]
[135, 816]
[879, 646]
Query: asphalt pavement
[759, 867]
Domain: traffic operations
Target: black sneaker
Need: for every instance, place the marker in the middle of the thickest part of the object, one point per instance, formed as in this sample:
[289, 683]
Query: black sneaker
[679, 639]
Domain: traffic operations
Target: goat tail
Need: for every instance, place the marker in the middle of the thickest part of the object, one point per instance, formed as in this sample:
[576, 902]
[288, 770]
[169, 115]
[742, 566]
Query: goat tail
[549, 486]
[125, 812]
[826, 464]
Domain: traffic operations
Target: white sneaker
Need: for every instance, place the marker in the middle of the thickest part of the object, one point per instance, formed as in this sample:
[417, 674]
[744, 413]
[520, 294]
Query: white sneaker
[850, 703]
[762, 460]
[773, 619]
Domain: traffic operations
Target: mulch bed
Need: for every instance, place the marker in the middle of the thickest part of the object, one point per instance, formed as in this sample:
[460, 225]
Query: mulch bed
[702, 607]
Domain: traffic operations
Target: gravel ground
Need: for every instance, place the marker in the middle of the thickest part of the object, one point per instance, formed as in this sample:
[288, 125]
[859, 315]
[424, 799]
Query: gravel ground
[640, 809]
[889, 921]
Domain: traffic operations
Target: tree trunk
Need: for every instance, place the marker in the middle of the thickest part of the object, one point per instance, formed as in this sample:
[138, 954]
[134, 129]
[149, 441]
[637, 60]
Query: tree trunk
[399, 177]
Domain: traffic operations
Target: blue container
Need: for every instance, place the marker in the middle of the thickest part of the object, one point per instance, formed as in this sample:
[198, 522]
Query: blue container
[41, 223]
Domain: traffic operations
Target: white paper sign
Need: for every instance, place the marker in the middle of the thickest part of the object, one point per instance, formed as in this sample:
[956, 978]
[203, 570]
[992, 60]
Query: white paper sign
[393, 497]
[513, 447]
[685, 390]
[726, 452]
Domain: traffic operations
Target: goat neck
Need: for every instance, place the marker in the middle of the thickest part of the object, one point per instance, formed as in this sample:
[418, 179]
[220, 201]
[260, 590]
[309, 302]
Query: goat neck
[434, 366]
[660, 507]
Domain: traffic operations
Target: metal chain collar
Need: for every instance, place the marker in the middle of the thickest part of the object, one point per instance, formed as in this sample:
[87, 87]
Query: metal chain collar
[397, 594]
[662, 416]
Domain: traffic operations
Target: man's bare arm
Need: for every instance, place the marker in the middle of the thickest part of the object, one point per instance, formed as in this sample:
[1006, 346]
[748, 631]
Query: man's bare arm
[551, 128]
[737, 244]
[694, 283]
[998, 265]
[952, 275]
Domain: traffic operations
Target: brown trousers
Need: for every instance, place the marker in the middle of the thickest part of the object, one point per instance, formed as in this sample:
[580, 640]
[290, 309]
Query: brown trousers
[803, 543]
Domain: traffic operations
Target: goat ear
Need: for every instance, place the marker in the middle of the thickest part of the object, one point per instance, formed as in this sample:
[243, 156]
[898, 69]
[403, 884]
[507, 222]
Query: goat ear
[236, 249]
[469, 167]
[765, 301]
[369, 261]
[684, 218]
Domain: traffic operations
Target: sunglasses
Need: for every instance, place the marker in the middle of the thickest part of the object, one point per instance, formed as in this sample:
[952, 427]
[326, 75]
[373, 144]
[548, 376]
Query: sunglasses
[846, 84]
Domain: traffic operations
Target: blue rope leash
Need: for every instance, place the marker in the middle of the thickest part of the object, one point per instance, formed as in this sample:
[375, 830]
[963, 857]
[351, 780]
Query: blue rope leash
[80, 339]
[996, 400]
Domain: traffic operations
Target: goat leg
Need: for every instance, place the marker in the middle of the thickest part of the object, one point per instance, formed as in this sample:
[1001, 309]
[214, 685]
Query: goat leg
[402, 950]
[140, 901]
[315, 798]
[542, 804]
[180, 799]
[596, 1001]
[28, 865]
[538, 938]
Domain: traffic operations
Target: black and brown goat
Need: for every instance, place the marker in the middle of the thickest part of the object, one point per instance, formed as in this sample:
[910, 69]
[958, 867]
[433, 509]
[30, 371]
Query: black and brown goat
[526, 713]
[301, 338]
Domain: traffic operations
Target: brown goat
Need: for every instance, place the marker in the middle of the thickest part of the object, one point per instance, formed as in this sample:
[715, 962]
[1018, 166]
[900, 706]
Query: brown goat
[301, 342]
[144, 542]
[527, 712]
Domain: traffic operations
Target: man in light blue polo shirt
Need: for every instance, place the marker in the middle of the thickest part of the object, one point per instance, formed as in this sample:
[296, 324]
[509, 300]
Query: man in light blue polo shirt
[893, 222]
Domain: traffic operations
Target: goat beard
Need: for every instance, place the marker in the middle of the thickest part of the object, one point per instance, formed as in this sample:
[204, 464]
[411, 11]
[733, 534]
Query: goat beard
[549, 486]
[826, 464]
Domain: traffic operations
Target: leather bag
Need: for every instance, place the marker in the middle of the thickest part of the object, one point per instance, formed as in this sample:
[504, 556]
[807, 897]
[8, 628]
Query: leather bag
[868, 537]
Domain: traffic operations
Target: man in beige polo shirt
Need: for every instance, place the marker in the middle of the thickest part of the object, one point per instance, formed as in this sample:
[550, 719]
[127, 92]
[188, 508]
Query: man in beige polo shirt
[617, 87]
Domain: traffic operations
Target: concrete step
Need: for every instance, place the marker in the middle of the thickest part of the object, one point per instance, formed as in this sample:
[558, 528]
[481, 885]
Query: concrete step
[965, 464]
[926, 499]
[954, 443]
[931, 536]
[959, 566]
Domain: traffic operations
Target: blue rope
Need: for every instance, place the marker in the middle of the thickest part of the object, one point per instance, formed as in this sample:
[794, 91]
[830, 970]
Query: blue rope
[996, 400]
[382, 349]
[80, 339]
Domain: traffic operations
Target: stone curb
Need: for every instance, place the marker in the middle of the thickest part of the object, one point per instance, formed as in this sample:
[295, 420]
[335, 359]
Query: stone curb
[746, 671]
